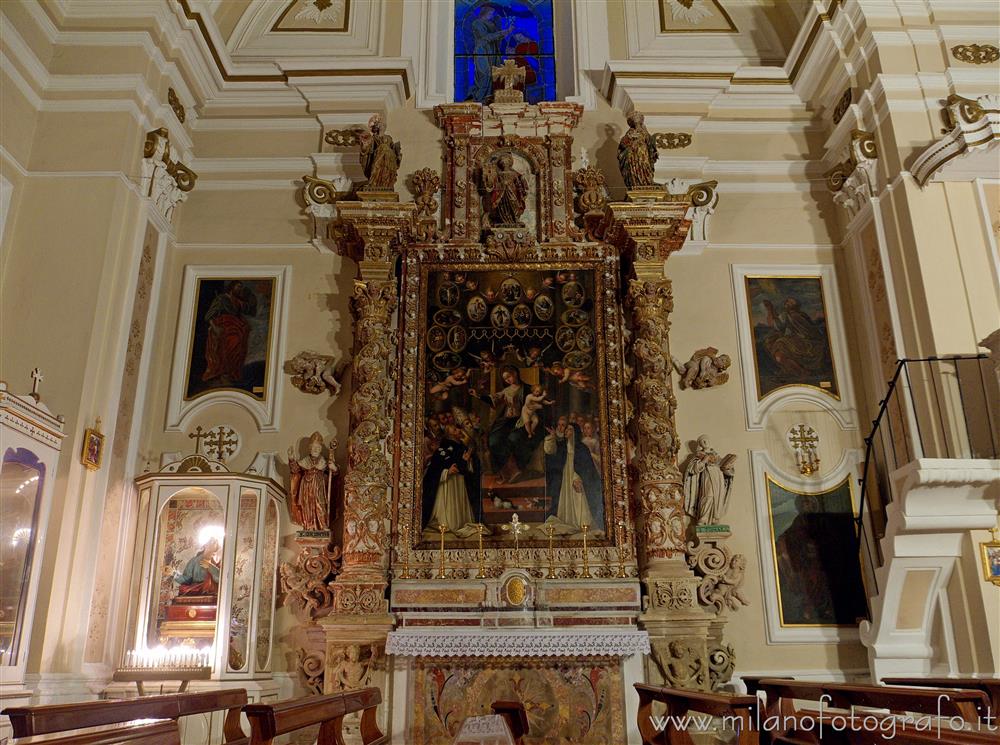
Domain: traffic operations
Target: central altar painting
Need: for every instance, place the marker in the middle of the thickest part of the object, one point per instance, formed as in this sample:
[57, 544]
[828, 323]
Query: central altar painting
[512, 403]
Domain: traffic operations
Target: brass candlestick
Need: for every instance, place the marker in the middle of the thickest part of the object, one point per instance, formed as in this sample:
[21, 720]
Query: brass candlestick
[480, 530]
[550, 530]
[406, 553]
[621, 549]
[586, 558]
[442, 528]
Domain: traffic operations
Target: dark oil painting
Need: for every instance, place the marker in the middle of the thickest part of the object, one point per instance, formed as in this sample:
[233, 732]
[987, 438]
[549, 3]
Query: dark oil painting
[231, 336]
[816, 557]
[791, 337]
[512, 408]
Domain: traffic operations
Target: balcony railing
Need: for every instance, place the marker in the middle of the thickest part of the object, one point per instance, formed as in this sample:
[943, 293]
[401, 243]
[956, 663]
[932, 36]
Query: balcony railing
[935, 407]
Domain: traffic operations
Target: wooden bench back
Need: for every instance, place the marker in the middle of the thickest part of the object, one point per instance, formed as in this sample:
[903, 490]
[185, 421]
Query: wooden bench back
[150, 733]
[989, 686]
[268, 721]
[959, 703]
[28, 721]
[679, 702]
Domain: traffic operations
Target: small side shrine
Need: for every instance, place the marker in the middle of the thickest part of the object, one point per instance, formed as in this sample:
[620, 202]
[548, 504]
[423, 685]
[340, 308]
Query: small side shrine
[208, 548]
[515, 524]
[30, 442]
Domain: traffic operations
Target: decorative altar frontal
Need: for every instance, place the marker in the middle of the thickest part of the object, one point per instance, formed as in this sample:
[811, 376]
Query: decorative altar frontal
[564, 648]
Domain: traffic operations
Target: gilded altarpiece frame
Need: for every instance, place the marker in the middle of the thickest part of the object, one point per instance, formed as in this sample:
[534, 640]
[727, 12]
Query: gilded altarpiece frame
[415, 549]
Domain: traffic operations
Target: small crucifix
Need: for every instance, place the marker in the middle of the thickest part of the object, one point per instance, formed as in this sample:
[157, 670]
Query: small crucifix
[511, 74]
[222, 441]
[36, 379]
[198, 436]
[515, 528]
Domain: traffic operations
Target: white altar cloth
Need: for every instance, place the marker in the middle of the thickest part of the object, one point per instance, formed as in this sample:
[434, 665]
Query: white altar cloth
[516, 642]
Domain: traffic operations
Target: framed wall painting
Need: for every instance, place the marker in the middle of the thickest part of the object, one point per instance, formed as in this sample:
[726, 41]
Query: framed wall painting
[92, 452]
[811, 573]
[990, 551]
[229, 341]
[792, 340]
[512, 403]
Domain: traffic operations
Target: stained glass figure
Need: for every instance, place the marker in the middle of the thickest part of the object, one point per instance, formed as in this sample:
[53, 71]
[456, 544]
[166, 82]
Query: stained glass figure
[490, 31]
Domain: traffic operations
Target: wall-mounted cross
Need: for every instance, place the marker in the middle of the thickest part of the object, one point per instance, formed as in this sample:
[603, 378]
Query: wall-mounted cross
[198, 436]
[221, 442]
[803, 437]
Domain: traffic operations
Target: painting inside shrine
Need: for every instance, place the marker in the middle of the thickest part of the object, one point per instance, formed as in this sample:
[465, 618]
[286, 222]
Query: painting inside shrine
[486, 33]
[513, 411]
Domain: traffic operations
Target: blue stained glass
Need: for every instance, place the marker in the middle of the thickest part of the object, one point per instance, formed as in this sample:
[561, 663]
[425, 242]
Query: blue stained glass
[490, 31]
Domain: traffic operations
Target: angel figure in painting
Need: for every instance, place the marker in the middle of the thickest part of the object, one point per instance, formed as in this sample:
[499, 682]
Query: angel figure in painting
[505, 191]
[706, 369]
[380, 156]
[637, 154]
[310, 487]
[708, 481]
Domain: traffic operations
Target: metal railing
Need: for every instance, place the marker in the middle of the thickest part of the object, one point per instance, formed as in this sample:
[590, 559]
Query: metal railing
[935, 407]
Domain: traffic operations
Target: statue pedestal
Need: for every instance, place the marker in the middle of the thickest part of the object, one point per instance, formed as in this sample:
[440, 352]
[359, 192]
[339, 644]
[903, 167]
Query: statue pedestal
[377, 196]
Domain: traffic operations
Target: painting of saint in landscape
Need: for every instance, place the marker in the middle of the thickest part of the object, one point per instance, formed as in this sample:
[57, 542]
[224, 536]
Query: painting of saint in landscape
[815, 556]
[487, 32]
[512, 410]
[791, 337]
[232, 327]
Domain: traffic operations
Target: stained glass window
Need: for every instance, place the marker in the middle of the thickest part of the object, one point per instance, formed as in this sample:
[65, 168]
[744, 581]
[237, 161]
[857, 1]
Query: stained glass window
[490, 31]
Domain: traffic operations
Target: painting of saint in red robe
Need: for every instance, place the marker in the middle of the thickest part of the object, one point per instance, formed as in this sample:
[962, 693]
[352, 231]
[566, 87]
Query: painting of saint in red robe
[231, 336]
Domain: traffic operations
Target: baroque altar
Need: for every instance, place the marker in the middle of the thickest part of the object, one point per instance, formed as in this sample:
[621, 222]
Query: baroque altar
[514, 519]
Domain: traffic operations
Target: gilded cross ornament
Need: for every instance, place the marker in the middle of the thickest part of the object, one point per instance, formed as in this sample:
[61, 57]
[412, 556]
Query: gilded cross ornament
[804, 442]
[510, 73]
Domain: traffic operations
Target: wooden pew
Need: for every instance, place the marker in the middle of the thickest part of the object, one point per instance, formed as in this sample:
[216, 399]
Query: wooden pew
[989, 686]
[781, 695]
[165, 732]
[679, 702]
[30, 721]
[268, 721]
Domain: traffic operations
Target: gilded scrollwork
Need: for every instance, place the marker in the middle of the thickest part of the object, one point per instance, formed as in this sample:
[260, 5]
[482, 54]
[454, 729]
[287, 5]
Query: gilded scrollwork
[306, 582]
[657, 476]
[312, 665]
[426, 182]
[365, 486]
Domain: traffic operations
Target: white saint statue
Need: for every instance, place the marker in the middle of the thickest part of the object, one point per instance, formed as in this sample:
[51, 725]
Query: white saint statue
[707, 483]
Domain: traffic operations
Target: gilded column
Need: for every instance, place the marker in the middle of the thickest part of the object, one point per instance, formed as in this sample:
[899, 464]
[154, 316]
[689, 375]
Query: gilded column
[372, 233]
[646, 233]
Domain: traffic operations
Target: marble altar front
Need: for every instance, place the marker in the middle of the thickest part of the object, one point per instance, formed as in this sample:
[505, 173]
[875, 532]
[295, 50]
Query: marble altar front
[569, 650]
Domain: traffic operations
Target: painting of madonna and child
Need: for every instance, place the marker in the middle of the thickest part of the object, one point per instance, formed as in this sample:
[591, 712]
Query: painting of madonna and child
[513, 410]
